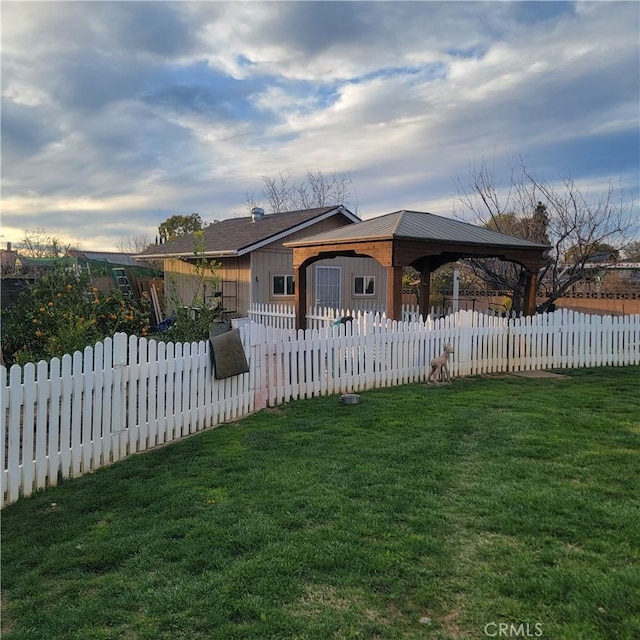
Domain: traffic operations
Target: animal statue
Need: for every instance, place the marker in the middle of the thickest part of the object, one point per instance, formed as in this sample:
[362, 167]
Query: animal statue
[439, 369]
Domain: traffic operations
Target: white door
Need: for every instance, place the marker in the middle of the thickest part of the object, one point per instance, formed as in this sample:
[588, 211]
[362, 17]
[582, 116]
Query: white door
[328, 286]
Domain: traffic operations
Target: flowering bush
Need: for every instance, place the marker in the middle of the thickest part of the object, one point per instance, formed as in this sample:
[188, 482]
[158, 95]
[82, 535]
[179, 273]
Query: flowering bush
[62, 313]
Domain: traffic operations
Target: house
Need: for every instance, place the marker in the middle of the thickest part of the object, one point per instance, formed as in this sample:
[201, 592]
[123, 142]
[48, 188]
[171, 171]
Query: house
[256, 267]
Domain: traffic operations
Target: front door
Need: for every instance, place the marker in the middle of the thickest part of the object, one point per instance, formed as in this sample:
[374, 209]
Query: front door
[328, 286]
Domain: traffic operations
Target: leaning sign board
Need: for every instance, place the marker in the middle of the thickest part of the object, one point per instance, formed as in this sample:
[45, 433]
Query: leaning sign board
[228, 355]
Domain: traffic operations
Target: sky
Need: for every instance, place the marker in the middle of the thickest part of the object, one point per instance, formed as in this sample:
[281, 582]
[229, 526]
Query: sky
[117, 115]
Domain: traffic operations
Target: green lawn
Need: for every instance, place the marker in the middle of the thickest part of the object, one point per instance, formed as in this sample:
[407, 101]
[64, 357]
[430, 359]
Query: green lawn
[423, 512]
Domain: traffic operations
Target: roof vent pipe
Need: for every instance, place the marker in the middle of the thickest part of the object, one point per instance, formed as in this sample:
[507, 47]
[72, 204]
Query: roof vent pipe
[257, 213]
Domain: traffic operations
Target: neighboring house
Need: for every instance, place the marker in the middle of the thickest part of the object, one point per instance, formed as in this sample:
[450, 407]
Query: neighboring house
[107, 269]
[255, 267]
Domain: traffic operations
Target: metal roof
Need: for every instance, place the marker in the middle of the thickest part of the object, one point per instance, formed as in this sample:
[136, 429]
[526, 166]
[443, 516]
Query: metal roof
[237, 236]
[111, 257]
[415, 225]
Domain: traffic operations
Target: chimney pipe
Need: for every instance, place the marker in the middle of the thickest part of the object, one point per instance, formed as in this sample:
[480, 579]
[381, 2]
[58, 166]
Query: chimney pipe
[257, 213]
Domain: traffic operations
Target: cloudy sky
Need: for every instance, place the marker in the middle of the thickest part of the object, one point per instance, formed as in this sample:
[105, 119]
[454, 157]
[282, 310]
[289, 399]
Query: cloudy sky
[117, 115]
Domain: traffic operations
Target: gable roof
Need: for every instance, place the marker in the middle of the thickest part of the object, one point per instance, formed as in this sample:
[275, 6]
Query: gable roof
[415, 225]
[238, 236]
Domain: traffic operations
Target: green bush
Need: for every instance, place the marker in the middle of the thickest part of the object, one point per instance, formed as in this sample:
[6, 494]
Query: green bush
[187, 328]
[62, 313]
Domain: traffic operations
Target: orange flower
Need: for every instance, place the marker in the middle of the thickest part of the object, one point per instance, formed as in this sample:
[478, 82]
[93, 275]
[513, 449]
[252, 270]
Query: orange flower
[69, 287]
[35, 321]
[39, 333]
[94, 289]
[42, 309]
[96, 301]
[59, 295]
[50, 304]
[129, 318]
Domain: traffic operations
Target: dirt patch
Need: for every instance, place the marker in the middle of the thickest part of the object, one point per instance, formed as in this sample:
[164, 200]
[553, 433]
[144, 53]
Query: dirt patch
[539, 374]
[318, 598]
[6, 622]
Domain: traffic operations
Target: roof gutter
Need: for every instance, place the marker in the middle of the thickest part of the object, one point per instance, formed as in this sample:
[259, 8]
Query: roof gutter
[190, 254]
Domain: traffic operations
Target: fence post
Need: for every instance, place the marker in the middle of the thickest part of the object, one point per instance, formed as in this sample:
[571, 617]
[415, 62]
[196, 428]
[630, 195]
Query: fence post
[465, 325]
[257, 382]
[118, 397]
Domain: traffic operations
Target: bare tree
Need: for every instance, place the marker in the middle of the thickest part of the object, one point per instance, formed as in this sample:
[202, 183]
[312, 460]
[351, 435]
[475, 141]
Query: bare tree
[574, 223]
[39, 243]
[134, 244]
[280, 193]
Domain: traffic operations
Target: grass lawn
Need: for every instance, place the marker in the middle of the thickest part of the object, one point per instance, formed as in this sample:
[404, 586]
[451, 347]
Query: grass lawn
[423, 512]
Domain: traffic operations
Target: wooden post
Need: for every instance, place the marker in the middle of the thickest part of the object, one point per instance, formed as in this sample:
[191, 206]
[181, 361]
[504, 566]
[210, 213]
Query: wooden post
[530, 289]
[301, 296]
[394, 293]
[425, 288]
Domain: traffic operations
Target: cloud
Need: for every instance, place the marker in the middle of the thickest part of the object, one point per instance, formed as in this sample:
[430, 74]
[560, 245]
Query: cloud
[130, 112]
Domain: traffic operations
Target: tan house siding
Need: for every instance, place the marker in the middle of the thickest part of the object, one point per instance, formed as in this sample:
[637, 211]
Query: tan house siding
[182, 284]
[267, 263]
[328, 224]
[349, 269]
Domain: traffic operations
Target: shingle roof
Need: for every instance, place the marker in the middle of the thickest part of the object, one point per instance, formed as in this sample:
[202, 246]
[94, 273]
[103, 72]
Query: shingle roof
[416, 225]
[237, 236]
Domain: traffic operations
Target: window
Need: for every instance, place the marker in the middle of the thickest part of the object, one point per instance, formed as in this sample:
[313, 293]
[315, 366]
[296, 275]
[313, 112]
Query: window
[283, 286]
[364, 286]
[328, 286]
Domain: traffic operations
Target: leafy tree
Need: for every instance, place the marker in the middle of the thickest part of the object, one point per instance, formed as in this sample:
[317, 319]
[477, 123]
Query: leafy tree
[632, 251]
[281, 193]
[563, 215]
[62, 313]
[607, 251]
[179, 225]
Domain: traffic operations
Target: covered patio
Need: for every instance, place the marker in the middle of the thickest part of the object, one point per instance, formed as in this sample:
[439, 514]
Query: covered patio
[415, 239]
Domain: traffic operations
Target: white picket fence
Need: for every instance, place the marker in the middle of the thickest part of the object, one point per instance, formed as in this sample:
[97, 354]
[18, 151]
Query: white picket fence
[71, 416]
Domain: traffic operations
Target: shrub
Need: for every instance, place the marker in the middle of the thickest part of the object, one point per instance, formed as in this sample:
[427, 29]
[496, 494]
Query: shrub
[62, 313]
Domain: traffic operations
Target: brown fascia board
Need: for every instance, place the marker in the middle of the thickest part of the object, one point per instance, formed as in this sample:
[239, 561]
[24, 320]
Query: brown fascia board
[385, 238]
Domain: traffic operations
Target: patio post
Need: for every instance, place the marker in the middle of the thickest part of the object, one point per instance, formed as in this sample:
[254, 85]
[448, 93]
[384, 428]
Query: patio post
[530, 289]
[301, 296]
[394, 293]
[425, 288]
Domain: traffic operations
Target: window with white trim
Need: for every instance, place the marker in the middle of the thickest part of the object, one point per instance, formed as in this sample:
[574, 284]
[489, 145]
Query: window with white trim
[364, 286]
[283, 285]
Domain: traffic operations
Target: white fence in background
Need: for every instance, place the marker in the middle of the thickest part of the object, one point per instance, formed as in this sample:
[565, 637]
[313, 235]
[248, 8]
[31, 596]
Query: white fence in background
[73, 415]
[283, 316]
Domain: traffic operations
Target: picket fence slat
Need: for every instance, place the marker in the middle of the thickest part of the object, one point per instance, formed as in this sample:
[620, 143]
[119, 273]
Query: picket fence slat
[75, 414]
